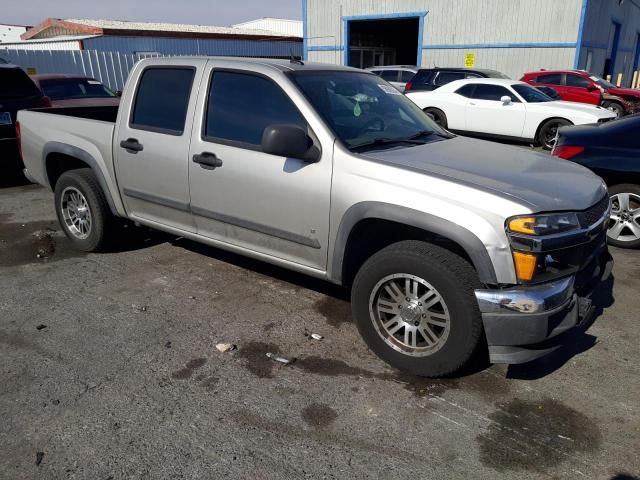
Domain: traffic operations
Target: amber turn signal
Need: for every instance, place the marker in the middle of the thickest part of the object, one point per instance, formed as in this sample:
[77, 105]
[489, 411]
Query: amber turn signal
[525, 265]
[523, 225]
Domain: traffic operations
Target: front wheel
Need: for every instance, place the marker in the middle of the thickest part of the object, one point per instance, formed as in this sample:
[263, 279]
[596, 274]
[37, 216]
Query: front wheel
[415, 307]
[82, 209]
[548, 133]
[615, 108]
[624, 223]
[437, 115]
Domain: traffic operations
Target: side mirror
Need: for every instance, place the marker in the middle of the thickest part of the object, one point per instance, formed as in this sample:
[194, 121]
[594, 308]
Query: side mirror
[592, 88]
[506, 100]
[289, 141]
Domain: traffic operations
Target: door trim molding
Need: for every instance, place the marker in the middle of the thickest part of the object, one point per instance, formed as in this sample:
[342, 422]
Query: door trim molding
[257, 227]
[164, 201]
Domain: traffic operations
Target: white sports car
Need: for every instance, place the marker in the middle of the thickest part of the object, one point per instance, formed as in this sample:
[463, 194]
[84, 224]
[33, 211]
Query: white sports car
[506, 109]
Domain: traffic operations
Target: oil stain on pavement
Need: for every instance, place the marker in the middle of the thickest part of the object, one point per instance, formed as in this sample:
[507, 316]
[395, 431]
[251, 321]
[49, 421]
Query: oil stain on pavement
[335, 311]
[187, 371]
[254, 355]
[33, 243]
[535, 436]
[319, 415]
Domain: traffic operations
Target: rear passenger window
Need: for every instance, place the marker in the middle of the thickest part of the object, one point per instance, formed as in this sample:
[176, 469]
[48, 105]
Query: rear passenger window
[447, 77]
[406, 76]
[422, 77]
[162, 100]
[467, 90]
[389, 75]
[551, 79]
[242, 105]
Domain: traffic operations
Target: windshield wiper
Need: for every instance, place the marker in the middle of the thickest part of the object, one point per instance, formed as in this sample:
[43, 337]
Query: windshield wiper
[421, 133]
[379, 142]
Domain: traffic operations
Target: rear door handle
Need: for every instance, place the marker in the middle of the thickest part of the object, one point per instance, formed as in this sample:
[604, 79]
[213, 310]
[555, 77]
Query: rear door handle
[207, 160]
[131, 145]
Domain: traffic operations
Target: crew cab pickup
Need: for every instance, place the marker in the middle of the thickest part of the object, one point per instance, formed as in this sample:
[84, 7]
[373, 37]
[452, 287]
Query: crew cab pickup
[448, 245]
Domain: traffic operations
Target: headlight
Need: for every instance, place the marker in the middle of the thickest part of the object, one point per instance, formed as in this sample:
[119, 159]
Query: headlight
[543, 224]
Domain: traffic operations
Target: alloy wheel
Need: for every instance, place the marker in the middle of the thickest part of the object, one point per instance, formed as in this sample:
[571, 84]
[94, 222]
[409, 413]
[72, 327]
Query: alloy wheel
[409, 314]
[624, 223]
[76, 212]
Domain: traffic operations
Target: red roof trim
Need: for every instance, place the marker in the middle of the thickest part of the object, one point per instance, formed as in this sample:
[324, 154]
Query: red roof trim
[55, 22]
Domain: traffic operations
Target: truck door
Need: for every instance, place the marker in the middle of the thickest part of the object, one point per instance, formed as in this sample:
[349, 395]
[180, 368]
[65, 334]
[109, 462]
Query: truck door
[244, 197]
[151, 143]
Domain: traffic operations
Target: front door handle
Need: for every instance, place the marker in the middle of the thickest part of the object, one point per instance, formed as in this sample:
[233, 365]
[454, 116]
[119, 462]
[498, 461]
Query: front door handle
[131, 145]
[207, 160]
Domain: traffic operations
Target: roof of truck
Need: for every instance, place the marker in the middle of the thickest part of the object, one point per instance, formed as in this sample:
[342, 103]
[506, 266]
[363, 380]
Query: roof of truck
[283, 65]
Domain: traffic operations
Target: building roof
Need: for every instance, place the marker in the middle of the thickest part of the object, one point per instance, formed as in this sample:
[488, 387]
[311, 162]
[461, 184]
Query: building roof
[53, 27]
[282, 26]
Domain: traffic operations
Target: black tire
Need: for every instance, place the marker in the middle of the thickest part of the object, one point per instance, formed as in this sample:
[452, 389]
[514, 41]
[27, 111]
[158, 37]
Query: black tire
[453, 278]
[84, 181]
[625, 238]
[438, 116]
[548, 130]
[615, 107]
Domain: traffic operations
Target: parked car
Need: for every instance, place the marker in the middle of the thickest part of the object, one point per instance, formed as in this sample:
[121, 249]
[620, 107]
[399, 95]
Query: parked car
[549, 92]
[583, 87]
[75, 90]
[17, 91]
[396, 75]
[612, 151]
[504, 109]
[330, 171]
[433, 78]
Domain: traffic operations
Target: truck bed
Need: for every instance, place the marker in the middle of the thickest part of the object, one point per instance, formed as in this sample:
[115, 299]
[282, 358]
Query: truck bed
[102, 113]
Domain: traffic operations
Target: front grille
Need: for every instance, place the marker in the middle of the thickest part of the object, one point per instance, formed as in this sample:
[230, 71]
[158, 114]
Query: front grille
[591, 216]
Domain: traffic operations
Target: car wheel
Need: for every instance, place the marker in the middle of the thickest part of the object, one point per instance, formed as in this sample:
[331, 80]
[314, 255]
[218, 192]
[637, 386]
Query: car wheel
[624, 224]
[615, 108]
[83, 210]
[415, 307]
[438, 116]
[548, 133]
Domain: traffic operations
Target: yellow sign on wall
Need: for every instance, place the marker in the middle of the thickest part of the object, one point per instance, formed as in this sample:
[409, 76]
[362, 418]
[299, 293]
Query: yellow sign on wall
[469, 60]
[31, 71]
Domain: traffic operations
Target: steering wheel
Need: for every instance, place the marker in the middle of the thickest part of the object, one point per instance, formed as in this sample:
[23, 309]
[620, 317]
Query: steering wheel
[377, 121]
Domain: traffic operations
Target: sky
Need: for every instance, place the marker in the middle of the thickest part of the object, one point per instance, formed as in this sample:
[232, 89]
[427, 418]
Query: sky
[200, 12]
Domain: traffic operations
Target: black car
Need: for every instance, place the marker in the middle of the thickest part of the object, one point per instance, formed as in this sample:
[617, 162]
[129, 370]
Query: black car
[17, 92]
[433, 78]
[611, 150]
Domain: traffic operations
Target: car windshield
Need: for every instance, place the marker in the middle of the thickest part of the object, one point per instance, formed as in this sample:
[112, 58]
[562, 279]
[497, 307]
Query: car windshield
[530, 94]
[364, 110]
[15, 83]
[67, 88]
[602, 82]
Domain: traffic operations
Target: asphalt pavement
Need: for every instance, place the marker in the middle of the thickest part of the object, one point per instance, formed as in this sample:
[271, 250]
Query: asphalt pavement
[109, 370]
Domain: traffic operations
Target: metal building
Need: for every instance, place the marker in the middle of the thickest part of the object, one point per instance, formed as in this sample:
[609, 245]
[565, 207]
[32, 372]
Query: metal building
[282, 26]
[155, 38]
[513, 36]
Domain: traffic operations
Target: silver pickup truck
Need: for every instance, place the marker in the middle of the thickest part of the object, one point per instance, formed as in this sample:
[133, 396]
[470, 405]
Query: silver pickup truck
[449, 246]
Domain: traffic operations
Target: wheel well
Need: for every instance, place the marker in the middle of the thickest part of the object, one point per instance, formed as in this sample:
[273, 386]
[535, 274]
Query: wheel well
[371, 235]
[58, 163]
[544, 122]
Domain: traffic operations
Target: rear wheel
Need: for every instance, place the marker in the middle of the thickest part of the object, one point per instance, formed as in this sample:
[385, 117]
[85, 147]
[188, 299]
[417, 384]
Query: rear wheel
[83, 210]
[615, 107]
[624, 225]
[438, 116]
[548, 133]
[415, 307]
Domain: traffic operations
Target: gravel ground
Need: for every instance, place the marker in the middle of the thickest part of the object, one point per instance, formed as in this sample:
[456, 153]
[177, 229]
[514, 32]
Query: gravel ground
[109, 370]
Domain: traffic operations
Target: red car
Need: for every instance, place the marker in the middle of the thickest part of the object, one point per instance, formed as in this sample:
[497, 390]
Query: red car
[584, 87]
[75, 91]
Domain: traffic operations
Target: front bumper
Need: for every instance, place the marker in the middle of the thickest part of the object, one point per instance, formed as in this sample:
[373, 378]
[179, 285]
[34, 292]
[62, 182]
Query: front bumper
[521, 323]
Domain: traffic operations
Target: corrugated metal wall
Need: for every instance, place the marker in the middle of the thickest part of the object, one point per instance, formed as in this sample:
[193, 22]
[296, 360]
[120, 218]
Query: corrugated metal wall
[530, 34]
[195, 46]
[112, 69]
[597, 37]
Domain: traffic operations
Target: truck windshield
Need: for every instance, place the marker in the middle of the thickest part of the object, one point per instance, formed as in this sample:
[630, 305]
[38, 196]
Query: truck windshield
[363, 110]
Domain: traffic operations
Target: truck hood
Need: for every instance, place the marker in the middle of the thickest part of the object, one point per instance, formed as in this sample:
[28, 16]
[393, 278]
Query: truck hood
[625, 92]
[576, 108]
[537, 181]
